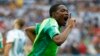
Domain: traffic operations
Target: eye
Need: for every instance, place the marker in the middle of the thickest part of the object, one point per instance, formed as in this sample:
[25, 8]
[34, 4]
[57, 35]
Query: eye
[63, 10]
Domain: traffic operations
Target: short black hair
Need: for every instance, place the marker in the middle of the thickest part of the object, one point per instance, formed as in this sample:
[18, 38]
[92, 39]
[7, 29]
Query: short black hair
[53, 9]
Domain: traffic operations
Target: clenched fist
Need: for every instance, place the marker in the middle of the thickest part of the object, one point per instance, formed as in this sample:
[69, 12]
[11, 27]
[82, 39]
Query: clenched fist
[71, 23]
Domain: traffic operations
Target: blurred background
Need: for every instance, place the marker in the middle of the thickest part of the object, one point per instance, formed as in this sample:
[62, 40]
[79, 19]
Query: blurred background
[84, 38]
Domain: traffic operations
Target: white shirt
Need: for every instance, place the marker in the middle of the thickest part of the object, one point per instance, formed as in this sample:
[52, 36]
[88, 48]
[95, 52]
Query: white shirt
[18, 39]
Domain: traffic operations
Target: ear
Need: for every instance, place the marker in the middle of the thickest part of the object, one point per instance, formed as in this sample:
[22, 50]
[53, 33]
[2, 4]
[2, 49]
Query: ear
[53, 14]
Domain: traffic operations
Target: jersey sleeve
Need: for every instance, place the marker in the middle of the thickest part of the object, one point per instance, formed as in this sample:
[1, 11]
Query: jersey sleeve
[52, 31]
[10, 37]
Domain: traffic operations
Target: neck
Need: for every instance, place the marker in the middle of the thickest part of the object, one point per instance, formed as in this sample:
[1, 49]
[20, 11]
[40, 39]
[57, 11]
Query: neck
[17, 27]
[56, 20]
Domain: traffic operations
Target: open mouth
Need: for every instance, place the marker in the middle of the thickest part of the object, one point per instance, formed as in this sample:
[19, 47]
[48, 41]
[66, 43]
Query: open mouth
[65, 18]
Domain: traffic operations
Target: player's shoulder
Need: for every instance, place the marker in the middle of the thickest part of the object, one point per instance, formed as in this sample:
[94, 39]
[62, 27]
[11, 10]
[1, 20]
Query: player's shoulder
[10, 31]
[53, 22]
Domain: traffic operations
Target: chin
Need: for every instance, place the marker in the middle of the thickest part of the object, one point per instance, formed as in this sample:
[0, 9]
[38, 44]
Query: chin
[63, 24]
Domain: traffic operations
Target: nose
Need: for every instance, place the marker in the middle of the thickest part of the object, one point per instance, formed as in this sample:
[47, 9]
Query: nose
[66, 13]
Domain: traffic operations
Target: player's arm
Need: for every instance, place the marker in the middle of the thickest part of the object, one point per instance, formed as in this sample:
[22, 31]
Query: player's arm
[30, 31]
[60, 38]
[7, 48]
[9, 43]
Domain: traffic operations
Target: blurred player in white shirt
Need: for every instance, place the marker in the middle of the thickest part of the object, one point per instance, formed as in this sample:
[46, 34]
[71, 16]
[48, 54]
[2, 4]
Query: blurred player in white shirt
[15, 40]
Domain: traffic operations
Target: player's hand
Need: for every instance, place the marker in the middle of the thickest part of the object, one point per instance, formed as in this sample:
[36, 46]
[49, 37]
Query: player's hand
[71, 23]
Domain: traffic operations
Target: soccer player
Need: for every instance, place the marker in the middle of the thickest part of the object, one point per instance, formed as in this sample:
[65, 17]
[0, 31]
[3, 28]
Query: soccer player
[48, 36]
[15, 40]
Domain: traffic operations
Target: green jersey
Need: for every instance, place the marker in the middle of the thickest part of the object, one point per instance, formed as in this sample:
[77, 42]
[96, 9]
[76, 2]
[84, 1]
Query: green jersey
[1, 41]
[44, 44]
